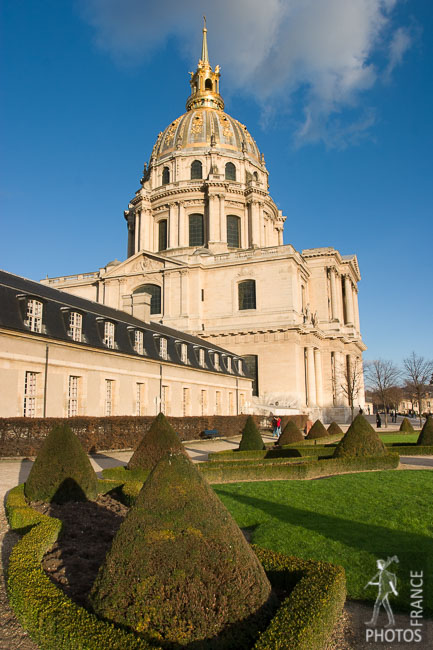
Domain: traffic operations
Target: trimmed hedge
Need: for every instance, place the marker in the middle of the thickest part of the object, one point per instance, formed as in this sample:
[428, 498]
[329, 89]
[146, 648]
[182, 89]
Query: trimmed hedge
[317, 431]
[334, 429]
[360, 440]
[304, 620]
[251, 438]
[156, 443]
[406, 426]
[231, 455]
[410, 449]
[426, 435]
[291, 433]
[62, 470]
[265, 470]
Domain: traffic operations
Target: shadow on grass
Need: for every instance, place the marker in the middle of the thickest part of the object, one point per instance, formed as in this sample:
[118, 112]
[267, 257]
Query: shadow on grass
[415, 551]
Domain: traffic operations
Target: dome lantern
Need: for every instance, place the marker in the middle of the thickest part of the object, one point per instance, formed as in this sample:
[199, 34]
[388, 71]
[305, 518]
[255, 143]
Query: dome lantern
[205, 81]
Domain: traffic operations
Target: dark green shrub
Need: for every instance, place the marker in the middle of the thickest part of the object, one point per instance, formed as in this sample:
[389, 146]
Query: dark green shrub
[360, 440]
[406, 426]
[317, 431]
[251, 438]
[179, 568]
[62, 471]
[410, 449]
[334, 430]
[291, 433]
[426, 435]
[159, 440]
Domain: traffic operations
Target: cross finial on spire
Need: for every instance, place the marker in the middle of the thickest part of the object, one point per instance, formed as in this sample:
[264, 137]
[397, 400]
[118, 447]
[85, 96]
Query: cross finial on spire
[204, 52]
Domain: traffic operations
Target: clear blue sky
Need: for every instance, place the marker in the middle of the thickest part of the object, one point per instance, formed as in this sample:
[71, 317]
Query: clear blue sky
[338, 96]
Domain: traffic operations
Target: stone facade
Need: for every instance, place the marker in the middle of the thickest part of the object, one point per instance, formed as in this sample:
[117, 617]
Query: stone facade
[205, 239]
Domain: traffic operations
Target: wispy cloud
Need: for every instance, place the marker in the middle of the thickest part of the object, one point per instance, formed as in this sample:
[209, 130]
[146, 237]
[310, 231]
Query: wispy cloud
[313, 58]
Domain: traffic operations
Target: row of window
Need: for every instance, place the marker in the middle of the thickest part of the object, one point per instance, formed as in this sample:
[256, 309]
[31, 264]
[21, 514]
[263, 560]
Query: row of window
[73, 396]
[34, 323]
[196, 231]
[197, 172]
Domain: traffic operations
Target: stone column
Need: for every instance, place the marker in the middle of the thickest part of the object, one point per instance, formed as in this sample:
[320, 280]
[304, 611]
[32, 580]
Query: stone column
[213, 213]
[356, 309]
[183, 241]
[319, 378]
[254, 223]
[222, 218]
[137, 230]
[339, 377]
[183, 292]
[172, 226]
[131, 238]
[311, 377]
[349, 299]
[334, 305]
[280, 236]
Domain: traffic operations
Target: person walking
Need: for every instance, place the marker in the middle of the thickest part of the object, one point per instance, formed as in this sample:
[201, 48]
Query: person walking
[378, 421]
[278, 426]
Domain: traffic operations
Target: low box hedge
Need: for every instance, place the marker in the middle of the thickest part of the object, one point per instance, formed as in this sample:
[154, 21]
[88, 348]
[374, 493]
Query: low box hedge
[410, 449]
[304, 620]
[261, 471]
[280, 452]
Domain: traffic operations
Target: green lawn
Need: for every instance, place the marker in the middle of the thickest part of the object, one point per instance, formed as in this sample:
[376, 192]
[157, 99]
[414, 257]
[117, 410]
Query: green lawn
[399, 437]
[351, 520]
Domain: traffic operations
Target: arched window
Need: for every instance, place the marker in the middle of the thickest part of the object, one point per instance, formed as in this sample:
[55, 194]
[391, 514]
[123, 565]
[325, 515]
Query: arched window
[208, 84]
[230, 172]
[155, 296]
[256, 176]
[247, 294]
[196, 169]
[165, 176]
[162, 235]
[233, 231]
[196, 230]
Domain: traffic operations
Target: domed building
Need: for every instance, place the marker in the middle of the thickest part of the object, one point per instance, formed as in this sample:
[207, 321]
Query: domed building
[205, 242]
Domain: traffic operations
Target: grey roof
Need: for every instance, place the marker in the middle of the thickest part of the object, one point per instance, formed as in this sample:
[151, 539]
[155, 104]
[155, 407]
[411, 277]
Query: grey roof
[57, 304]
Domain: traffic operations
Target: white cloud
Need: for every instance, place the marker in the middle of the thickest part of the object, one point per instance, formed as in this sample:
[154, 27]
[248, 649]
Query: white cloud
[310, 57]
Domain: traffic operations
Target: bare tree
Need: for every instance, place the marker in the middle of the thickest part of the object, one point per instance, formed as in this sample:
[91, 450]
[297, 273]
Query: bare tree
[382, 377]
[351, 376]
[418, 371]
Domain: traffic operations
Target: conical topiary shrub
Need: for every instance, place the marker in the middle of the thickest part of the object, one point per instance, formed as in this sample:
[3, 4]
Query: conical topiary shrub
[291, 433]
[360, 440]
[251, 438]
[179, 569]
[317, 431]
[334, 430]
[62, 470]
[426, 435]
[406, 426]
[160, 439]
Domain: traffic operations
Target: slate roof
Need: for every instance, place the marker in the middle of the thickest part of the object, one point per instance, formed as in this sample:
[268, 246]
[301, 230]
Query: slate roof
[15, 290]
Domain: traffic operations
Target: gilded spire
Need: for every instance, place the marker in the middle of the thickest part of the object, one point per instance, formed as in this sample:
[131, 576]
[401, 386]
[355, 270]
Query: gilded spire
[204, 52]
[205, 81]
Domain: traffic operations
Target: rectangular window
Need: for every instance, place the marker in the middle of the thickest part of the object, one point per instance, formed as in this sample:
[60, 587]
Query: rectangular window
[229, 364]
[30, 395]
[233, 231]
[251, 362]
[203, 402]
[184, 353]
[218, 402]
[72, 396]
[201, 357]
[139, 398]
[108, 397]
[186, 402]
[165, 406]
[109, 334]
[75, 326]
[138, 342]
[162, 235]
[196, 230]
[216, 360]
[163, 348]
[241, 402]
[247, 294]
[34, 316]
[231, 404]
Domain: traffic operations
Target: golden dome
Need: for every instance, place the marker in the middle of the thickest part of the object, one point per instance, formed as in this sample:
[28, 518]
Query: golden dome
[204, 128]
[205, 125]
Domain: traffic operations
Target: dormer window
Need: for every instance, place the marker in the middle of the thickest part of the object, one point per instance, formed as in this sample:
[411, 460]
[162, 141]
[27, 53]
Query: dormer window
[138, 342]
[229, 364]
[184, 353]
[34, 315]
[109, 334]
[75, 326]
[201, 357]
[216, 361]
[163, 347]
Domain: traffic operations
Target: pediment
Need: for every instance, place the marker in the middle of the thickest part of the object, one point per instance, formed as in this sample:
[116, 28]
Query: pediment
[142, 262]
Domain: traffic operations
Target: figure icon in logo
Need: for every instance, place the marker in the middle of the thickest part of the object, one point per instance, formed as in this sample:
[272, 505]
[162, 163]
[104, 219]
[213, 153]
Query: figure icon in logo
[386, 583]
